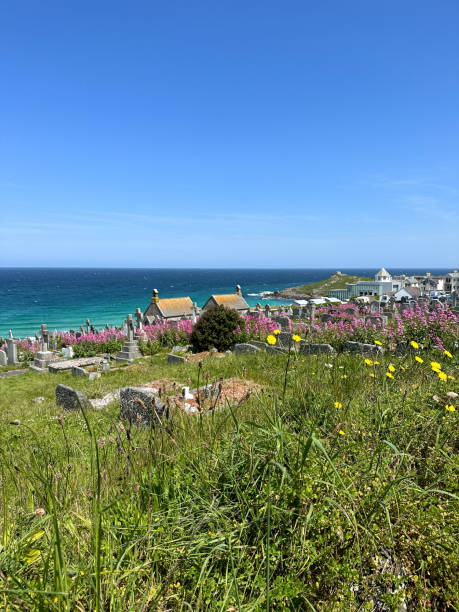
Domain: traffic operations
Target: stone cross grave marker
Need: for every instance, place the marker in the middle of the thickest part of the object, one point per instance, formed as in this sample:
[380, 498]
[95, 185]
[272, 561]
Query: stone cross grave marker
[138, 316]
[130, 328]
[44, 338]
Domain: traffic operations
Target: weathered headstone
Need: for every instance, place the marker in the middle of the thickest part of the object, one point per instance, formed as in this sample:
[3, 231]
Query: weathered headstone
[142, 406]
[77, 371]
[3, 358]
[315, 349]
[12, 351]
[242, 348]
[71, 399]
[44, 357]
[171, 358]
[362, 348]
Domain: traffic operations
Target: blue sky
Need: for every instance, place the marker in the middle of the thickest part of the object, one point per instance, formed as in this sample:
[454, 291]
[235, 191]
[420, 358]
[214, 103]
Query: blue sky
[221, 134]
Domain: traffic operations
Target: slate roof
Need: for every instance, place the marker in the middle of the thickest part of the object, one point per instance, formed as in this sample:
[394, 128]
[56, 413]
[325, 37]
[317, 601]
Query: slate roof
[413, 291]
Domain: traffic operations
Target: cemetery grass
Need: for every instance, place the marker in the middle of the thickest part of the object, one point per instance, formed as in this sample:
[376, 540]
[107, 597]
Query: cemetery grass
[330, 489]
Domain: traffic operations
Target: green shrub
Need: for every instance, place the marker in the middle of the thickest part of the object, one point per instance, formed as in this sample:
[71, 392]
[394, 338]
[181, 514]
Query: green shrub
[218, 327]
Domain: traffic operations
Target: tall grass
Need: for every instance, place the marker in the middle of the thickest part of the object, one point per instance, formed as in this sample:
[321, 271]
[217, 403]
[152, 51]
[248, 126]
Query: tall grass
[336, 491]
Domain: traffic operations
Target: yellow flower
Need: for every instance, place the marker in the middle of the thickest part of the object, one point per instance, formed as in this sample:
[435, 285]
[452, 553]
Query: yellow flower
[372, 375]
[276, 331]
[419, 360]
[376, 362]
[296, 338]
[448, 354]
[442, 376]
[341, 432]
[450, 408]
[391, 368]
[435, 365]
[389, 375]
[344, 376]
[81, 573]
[378, 342]
[414, 344]
[271, 339]
[451, 377]
[402, 368]
[368, 362]
[338, 405]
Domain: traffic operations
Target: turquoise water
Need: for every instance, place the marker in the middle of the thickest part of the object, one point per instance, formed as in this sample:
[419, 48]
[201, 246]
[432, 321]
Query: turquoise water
[64, 297]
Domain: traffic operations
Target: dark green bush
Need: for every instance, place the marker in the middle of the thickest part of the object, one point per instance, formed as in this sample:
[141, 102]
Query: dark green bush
[218, 327]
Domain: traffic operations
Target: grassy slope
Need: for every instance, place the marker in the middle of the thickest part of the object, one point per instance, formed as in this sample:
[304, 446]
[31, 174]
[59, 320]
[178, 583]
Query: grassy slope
[206, 514]
[322, 287]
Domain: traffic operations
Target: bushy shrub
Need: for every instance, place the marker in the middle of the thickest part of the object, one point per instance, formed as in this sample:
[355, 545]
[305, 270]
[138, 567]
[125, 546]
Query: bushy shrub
[218, 327]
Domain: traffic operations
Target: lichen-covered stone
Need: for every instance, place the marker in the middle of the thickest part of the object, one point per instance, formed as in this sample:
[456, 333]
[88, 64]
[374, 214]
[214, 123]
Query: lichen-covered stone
[142, 406]
[241, 349]
[171, 358]
[363, 349]
[71, 399]
[316, 349]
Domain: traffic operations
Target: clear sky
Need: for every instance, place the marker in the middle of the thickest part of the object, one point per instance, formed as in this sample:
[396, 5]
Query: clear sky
[229, 133]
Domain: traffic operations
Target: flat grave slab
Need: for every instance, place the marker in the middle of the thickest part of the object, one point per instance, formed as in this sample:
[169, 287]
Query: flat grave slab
[68, 364]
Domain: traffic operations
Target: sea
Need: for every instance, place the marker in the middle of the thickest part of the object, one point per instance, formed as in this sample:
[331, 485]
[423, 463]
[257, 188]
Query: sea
[64, 298]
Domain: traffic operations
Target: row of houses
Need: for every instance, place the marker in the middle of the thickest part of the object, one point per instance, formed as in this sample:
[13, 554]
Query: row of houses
[175, 309]
[399, 286]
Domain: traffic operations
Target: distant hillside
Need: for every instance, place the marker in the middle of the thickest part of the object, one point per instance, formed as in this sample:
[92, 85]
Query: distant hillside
[336, 281]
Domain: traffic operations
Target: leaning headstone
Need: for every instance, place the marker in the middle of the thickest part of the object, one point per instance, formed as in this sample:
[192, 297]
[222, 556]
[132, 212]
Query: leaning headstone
[67, 351]
[71, 399]
[77, 371]
[142, 406]
[242, 348]
[3, 358]
[94, 375]
[171, 358]
[276, 349]
[258, 344]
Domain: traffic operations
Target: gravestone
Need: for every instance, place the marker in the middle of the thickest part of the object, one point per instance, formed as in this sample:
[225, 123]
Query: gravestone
[142, 406]
[3, 358]
[284, 339]
[258, 344]
[12, 351]
[87, 326]
[44, 357]
[374, 307]
[71, 399]
[171, 358]
[241, 349]
[362, 348]
[315, 349]
[325, 318]
[139, 317]
[77, 371]
[130, 350]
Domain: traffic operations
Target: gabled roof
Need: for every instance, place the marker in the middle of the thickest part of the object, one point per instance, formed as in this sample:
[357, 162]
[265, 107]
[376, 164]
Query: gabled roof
[230, 300]
[171, 307]
[413, 291]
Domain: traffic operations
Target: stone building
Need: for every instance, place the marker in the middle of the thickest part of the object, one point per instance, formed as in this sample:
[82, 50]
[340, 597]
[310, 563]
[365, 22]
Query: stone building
[169, 309]
[229, 300]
